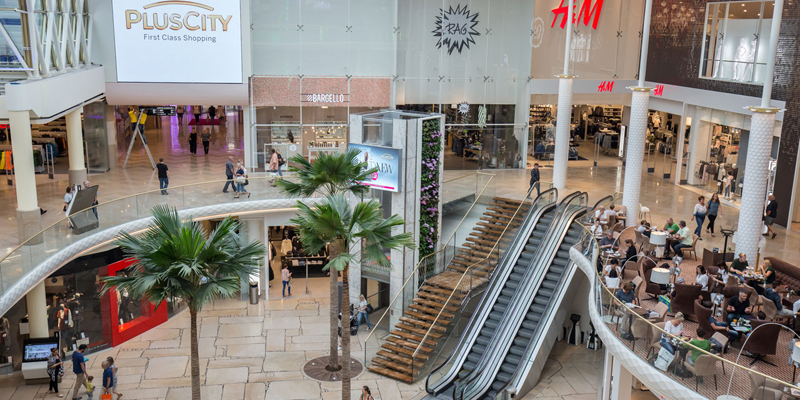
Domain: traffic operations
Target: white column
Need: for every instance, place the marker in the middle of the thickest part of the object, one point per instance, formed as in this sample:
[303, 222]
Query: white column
[754, 190]
[77, 167]
[637, 136]
[621, 382]
[268, 264]
[564, 117]
[36, 301]
[29, 221]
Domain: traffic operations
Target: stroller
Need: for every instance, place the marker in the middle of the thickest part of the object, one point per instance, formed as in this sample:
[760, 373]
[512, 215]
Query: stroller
[353, 323]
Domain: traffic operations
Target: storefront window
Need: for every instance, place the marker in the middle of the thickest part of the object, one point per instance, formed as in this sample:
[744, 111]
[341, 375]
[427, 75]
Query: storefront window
[737, 38]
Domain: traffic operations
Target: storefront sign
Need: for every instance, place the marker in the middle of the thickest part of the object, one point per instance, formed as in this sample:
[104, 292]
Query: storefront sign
[170, 41]
[605, 86]
[659, 91]
[586, 12]
[386, 160]
[166, 111]
[323, 98]
[455, 28]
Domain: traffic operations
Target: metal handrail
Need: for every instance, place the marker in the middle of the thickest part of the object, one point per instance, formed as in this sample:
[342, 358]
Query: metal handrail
[443, 248]
[612, 296]
[114, 201]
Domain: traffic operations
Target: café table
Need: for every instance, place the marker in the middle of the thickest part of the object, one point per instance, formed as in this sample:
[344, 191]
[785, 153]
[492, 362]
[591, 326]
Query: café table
[658, 239]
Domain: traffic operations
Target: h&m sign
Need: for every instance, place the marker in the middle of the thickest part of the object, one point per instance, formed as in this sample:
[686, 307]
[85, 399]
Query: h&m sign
[588, 12]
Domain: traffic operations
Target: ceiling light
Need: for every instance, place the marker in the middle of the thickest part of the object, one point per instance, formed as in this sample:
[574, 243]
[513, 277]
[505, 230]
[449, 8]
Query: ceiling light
[745, 10]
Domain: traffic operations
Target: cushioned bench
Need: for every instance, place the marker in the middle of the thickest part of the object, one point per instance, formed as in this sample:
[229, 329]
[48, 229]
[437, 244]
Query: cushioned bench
[788, 274]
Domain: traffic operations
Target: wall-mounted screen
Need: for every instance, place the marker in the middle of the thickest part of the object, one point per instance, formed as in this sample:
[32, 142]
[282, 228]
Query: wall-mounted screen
[386, 160]
[38, 349]
[178, 41]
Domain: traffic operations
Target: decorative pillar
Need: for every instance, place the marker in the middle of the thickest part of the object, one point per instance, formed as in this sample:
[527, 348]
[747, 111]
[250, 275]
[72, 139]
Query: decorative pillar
[77, 167]
[36, 301]
[621, 382]
[634, 158]
[29, 220]
[563, 120]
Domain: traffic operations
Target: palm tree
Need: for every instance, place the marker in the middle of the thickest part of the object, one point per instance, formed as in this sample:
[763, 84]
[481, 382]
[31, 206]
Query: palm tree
[179, 259]
[334, 223]
[329, 174]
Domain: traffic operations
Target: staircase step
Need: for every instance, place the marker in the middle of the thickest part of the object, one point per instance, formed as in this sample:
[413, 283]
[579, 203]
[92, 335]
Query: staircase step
[419, 331]
[405, 369]
[406, 352]
[391, 373]
[435, 304]
[412, 337]
[425, 317]
[445, 292]
[425, 325]
[432, 312]
[405, 343]
[441, 299]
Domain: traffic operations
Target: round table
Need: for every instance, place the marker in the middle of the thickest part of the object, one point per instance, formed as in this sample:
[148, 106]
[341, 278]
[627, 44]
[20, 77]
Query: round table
[658, 239]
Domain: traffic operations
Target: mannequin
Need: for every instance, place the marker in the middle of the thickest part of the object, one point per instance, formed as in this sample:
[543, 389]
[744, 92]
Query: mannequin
[717, 58]
[739, 66]
[748, 73]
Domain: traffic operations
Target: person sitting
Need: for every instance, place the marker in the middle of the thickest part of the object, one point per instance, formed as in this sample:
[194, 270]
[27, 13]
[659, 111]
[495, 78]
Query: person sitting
[722, 327]
[701, 277]
[724, 273]
[631, 254]
[769, 273]
[601, 214]
[596, 229]
[740, 264]
[684, 239]
[644, 228]
[675, 328]
[739, 307]
[612, 266]
[671, 227]
[775, 297]
[698, 343]
[612, 280]
[612, 211]
[608, 242]
[625, 294]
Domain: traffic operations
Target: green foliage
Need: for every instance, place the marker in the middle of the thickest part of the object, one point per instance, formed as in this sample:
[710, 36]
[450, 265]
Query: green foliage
[329, 173]
[430, 192]
[176, 258]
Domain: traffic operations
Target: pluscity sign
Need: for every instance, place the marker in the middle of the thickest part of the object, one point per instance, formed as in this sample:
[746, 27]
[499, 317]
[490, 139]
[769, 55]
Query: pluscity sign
[586, 12]
[171, 41]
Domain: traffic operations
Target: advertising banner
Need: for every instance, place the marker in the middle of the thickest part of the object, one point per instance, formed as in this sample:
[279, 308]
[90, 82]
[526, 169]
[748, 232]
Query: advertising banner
[386, 160]
[177, 41]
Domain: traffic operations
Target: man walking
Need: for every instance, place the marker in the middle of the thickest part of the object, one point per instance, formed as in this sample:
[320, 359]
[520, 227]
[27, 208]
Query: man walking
[79, 368]
[535, 178]
[163, 176]
[772, 213]
[229, 174]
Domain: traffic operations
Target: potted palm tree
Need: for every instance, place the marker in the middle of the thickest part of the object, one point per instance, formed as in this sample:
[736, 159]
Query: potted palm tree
[179, 259]
[329, 174]
[335, 223]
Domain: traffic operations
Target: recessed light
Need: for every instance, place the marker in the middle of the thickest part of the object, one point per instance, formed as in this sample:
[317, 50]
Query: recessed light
[745, 10]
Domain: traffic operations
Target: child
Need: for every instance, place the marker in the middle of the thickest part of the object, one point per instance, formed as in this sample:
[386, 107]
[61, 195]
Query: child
[114, 372]
[89, 387]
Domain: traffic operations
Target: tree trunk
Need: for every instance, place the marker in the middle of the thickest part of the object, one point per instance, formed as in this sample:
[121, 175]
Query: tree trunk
[195, 356]
[346, 333]
[333, 360]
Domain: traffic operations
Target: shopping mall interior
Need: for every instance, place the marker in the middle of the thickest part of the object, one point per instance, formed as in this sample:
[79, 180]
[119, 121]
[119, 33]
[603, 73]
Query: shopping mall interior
[384, 199]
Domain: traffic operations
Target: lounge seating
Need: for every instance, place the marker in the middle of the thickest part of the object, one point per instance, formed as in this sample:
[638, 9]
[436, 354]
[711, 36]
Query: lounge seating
[764, 389]
[685, 295]
[787, 273]
[762, 342]
[702, 314]
[651, 288]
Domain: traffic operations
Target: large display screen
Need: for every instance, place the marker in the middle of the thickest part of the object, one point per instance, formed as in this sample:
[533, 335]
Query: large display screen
[38, 349]
[177, 41]
[386, 160]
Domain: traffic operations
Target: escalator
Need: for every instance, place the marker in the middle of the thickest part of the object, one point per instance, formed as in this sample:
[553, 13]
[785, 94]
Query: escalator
[500, 305]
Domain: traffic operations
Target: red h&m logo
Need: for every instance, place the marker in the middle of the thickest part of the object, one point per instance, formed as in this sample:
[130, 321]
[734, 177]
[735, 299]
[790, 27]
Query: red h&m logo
[587, 12]
[605, 86]
[659, 90]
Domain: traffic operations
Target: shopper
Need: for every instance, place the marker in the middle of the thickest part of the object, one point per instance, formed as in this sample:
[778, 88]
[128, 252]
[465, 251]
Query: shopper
[229, 171]
[770, 215]
[366, 394]
[727, 182]
[68, 198]
[55, 370]
[281, 163]
[108, 378]
[362, 313]
[180, 110]
[197, 111]
[206, 138]
[285, 278]
[699, 215]
[212, 114]
[535, 178]
[241, 181]
[79, 368]
[113, 367]
[273, 166]
[713, 213]
[90, 386]
[193, 141]
[163, 176]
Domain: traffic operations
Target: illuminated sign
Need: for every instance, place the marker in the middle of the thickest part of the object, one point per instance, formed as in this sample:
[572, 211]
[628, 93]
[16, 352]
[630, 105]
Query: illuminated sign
[659, 91]
[323, 98]
[386, 160]
[170, 41]
[587, 12]
[605, 86]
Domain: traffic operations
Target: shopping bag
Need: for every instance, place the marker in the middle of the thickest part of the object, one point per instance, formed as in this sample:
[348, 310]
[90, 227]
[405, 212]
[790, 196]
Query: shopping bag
[664, 359]
[105, 397]
[666, 300]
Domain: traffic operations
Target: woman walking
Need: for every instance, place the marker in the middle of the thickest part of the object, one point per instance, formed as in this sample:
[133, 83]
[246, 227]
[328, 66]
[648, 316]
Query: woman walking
[273, 166]
[206, 138]
[366, 394]
[193, 141]
[285, 278]
[713, 213]
[180, 110]
[699, 214]
[241, 181]
[362, 313]
[55, 369]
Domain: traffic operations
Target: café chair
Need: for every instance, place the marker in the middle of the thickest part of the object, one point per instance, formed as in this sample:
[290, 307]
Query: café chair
[702, 314]
[692, 249]
[704, 366]
[723, 340]
[685, 296]
[763, 389]
[771, 310]
[661, 309]
[639, 237]
[731, 287]
[637, 283]
[640, 330]
[655, 339]
[762, 342]
[644, 213]
[630, 266]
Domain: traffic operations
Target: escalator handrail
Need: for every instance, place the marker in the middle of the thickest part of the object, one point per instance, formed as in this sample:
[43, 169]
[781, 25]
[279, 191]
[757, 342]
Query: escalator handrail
[514, 381]
[528, 223]
[518, 308]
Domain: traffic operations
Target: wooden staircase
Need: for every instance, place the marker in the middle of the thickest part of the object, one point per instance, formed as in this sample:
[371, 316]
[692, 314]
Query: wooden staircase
[394, 357]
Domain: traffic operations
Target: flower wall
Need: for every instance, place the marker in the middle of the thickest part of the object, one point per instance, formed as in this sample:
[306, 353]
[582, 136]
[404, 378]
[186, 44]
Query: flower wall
[430, 192]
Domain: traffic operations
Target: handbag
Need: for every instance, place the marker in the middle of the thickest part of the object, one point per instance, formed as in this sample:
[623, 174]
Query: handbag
[369, 309]
[664, 359]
